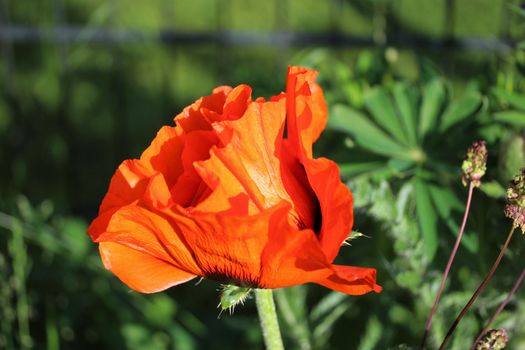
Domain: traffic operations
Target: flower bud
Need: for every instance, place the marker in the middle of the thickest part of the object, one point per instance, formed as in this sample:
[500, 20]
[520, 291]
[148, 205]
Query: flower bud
[232, 296]
[495, 339]
[475, 164]
[515, 208]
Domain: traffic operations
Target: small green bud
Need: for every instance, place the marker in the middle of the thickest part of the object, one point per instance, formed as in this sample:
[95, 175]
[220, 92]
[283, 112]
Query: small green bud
[353, 235]
[232, 296]
[515, 208]
[475, 164]
[495, 339]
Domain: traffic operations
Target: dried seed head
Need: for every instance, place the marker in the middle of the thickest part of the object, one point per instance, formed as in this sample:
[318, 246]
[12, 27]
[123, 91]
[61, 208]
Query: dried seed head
[475, 164]
[495, 339]
[515, 208]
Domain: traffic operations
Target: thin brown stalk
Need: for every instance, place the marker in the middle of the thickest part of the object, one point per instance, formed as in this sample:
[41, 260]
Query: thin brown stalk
[428, 324]
[500, 308]
[479, 290]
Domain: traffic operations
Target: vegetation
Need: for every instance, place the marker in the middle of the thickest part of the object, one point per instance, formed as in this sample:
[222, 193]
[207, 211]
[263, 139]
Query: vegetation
[401, 120]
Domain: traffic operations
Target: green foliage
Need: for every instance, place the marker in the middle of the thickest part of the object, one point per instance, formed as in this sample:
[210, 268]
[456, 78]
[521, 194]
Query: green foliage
[407, 126]
[401, 120]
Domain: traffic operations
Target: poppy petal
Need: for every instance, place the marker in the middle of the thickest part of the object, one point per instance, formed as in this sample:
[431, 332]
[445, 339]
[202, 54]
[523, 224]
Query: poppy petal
[202, 112]
[306, 109]
[140, 271]
[166, 146]
[127, 185]
[228, 247]
[247, 163]
[189, 188]
[150, 233]
[294, 257]
[351, 280]
[335, 200]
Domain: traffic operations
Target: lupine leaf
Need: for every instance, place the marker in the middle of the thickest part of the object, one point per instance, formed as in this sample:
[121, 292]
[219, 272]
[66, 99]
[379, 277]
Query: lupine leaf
[433, 98]
[458, 110]
[515, 100]
[516, 118]
[372, 335]
[405, 103]
[446, 202]
[366, 134]
[351, 169]
[378, 103]
[427, 219]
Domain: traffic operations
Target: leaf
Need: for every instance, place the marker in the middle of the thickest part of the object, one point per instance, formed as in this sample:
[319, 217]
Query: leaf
[446, 202]
[366, 134]
[351, 169]
[372, 335]
[405, 103]
[427, 219]
[516, 118]
[380, 106]
[409, 279]
[433, 98]
[517, 9]
[493, 189]
[515, 100]
[459, 110]
[326, 304]
[321, 332]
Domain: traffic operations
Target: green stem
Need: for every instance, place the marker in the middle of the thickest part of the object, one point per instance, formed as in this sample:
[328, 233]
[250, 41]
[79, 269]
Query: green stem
[268, 319]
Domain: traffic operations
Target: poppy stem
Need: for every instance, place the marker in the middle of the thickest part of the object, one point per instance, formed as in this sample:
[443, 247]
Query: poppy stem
[479, 290]
[268, 319]
[428, 324]
[500, 308]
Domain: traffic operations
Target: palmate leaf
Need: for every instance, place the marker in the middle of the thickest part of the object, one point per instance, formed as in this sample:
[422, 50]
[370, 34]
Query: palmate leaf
[446, 202]
[516, 118]
[365, 133]
[406, 102]
[427, 218]
[459, 110]
[513, 99]
[352, 169]
[372, 336]
[378, 103]
[433, 98]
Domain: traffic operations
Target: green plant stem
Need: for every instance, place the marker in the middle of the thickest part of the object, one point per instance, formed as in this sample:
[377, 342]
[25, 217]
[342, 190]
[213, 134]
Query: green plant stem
[18, 252]
[447, 268]
[500, 308]
[268, 319]
[479, 290]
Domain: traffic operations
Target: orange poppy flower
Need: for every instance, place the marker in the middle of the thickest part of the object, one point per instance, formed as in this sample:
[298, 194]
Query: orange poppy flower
[232, 193]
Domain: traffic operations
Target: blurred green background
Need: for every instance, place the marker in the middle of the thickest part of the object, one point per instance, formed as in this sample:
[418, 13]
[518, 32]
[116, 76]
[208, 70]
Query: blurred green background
[410, 84]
